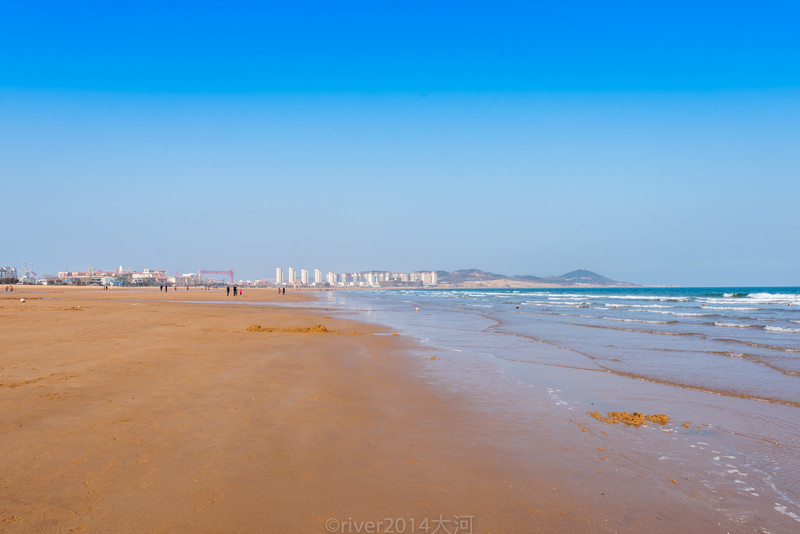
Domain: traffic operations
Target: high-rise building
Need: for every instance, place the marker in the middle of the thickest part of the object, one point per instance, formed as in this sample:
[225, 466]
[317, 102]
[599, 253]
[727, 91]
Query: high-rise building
[278, 276]
[304, 276]
[291, 275]
[331, 279]
[434, 278]
[8, 272]
[317, 276]
[344, 279]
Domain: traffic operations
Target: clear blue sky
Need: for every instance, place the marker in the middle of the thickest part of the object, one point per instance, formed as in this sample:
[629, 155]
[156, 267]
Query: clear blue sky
[649, 142]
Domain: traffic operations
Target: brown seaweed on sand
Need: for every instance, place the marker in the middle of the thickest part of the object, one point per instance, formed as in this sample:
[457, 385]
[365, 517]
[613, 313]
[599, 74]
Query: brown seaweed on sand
[636, 419]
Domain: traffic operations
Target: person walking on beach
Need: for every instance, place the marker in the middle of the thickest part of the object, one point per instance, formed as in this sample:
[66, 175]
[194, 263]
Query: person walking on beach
[235, 290]
[228, 291]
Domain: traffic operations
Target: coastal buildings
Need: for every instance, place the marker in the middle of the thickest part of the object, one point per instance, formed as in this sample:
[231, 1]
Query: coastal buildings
[296, 278]
[118, 277]
[358, 279]
[8, 272]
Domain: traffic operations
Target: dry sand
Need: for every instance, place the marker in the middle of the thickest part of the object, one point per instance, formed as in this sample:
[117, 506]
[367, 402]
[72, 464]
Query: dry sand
[122, 412]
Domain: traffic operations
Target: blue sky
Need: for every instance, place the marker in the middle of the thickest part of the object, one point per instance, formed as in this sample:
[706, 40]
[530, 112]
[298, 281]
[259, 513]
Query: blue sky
[655, 144]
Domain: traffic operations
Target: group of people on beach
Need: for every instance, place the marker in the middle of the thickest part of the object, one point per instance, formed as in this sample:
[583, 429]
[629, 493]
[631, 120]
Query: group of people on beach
[236, 290]
[9, 288]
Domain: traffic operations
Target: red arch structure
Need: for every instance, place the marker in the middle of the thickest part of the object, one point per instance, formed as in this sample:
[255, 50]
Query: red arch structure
[229, 273]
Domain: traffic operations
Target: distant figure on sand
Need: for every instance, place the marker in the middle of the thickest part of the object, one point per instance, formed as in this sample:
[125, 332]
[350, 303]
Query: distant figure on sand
[228, 291]
[235, 291]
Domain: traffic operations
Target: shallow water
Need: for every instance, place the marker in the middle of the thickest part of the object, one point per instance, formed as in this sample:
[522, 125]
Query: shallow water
[726, 359]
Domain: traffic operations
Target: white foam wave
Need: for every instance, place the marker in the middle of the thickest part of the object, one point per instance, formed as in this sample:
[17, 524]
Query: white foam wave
[634, 320]
[781, 508]
[734, 308]
[781, 329]
[774, 298]
[734, 325]
[646, 297]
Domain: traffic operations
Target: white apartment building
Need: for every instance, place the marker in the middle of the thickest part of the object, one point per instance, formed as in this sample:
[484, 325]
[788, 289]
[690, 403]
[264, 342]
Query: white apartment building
[358, 279]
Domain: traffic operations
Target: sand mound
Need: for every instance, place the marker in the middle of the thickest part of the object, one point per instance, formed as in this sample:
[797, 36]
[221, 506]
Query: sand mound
[317, 329]
[636, 419]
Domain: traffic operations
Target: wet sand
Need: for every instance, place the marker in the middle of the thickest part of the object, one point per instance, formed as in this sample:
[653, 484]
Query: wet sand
[122, 412]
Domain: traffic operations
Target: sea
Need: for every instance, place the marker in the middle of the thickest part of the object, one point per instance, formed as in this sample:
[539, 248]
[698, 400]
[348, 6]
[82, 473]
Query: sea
[722, 363]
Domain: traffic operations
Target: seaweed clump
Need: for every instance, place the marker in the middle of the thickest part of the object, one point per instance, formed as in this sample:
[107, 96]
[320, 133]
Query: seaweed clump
[635, 419]
[316, 329]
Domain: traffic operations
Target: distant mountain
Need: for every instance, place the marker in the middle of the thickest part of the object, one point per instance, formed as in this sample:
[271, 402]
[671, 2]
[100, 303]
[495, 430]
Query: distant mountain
[582, 276]
[468, 275]
[479, 278]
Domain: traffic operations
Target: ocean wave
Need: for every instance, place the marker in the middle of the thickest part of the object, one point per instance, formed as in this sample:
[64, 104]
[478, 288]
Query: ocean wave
[735, 325]
[775, 298]
[635, 320]
[645, 306]
[646, 297]
[782, 329]
[734, 308]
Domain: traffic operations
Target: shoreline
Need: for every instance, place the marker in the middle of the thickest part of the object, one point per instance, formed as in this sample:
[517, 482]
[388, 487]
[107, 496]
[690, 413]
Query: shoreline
[112, 406]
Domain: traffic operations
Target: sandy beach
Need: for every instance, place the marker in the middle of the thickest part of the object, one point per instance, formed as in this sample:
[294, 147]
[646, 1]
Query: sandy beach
[136, 411]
